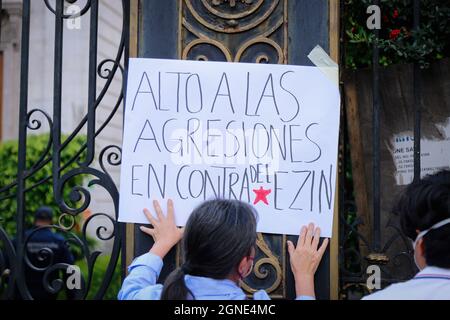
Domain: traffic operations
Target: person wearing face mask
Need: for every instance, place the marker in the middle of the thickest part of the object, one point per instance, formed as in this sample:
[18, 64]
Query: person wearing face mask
[424, 210]
[219, 244]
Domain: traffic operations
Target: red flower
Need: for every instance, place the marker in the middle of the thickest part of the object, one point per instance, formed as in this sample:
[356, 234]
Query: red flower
[385, 18]
[394, 34]
[353, 30]
[395, 14]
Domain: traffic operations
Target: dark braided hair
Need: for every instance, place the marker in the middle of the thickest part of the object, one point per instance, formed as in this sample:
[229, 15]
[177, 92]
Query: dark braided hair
[218, 234]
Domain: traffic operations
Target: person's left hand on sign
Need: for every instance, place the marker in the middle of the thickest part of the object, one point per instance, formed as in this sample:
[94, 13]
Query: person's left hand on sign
[165, 232]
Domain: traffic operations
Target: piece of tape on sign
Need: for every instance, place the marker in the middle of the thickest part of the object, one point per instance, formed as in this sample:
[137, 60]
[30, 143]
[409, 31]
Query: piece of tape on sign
[323, 61]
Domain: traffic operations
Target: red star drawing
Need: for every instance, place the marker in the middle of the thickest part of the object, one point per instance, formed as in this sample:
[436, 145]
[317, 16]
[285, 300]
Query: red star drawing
[261, 195]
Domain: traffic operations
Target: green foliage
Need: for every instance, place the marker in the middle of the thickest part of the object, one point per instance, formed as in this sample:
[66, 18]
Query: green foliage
[398, 42]
[99, 273]
[40, 195]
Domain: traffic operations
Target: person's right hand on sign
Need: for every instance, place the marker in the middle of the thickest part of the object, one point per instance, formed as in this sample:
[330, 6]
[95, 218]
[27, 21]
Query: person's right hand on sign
[305, 259]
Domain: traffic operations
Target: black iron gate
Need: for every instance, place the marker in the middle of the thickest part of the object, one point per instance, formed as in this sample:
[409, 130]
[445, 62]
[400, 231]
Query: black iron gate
[389, 251]
[71, 203]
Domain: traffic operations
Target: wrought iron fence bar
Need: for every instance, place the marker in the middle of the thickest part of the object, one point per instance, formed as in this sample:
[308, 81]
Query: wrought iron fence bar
[57, 93]
[126, 34]
[77, 129]
[22, 154]
[417, 95]
[1, 6]
[92, 93]
[376, 139]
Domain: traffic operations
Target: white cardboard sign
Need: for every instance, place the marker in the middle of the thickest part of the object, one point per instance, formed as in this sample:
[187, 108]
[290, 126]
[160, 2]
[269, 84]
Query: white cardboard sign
[264, 134]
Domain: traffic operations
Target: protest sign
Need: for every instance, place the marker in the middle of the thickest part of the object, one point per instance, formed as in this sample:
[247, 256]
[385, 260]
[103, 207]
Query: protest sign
[264, 134]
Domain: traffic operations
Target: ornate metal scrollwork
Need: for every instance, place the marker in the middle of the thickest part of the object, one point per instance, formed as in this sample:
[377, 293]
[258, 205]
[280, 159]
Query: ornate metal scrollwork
[233, 17]
[14, 256]
[7, 255]
[268, 266]
[240, 31]
[83, 10]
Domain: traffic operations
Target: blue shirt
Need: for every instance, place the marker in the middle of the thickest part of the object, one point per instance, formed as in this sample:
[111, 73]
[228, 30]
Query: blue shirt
[140, 284]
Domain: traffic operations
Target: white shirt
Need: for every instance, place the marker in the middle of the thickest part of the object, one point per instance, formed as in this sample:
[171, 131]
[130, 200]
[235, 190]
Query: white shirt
[431, 283]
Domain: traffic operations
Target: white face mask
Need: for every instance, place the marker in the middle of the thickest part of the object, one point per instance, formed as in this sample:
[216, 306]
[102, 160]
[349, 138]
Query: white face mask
[424, 232]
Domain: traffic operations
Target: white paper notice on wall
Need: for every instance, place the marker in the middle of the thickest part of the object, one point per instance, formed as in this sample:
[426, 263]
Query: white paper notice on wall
[434, 155]
[260, 133]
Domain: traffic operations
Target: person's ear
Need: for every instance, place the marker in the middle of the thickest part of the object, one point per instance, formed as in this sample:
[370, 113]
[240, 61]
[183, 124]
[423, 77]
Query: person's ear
[420, 254]
[244, 265]
[421, 247]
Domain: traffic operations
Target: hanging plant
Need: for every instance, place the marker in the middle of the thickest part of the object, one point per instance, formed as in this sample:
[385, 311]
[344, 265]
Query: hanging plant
[398, 41]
